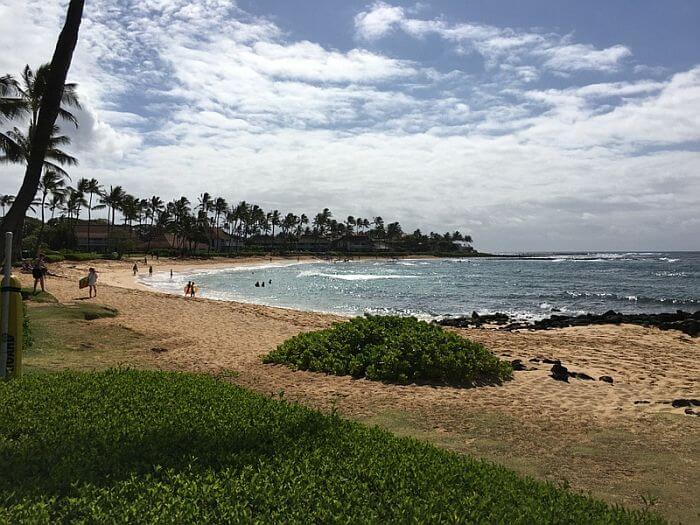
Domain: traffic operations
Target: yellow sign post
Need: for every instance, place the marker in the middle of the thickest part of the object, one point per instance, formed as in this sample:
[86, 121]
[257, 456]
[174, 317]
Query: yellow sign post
[15, 328]
[11, 318]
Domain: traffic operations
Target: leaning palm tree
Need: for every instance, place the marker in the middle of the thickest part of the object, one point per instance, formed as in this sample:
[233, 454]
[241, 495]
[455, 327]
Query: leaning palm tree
[48, 112]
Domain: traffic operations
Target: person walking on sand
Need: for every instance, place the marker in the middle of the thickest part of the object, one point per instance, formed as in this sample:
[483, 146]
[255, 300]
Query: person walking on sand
[135, 269]
[171, 273]
[38, 272]
[193, 290]
[150, 271]
[92, 282]
[187, 288]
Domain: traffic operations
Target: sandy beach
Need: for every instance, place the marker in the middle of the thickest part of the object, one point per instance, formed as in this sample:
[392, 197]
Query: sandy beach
[622, 441]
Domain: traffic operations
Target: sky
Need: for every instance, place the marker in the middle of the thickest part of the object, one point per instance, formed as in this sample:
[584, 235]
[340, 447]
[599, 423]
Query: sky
[539, 125]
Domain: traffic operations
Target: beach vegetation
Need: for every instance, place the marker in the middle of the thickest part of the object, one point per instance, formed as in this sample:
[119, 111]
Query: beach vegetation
[395, 349]
[145, 447]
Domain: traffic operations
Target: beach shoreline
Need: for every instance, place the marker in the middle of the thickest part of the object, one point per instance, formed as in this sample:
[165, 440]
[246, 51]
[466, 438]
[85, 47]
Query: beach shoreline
[534, 424]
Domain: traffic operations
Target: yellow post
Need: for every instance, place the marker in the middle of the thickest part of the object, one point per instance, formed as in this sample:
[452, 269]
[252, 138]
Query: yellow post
[15, 329]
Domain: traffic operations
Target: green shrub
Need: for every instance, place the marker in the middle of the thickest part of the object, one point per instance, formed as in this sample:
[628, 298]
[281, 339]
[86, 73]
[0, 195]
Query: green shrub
[399, 349]
[54, 257]
[157, 447]
[81, 256]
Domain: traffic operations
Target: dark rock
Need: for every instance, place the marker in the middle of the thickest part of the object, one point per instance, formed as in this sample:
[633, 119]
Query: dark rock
[680, 320]
[534, 360]
[518, 365]
[690, 411]
[91, 317]
[642, 402]
[551, 361]
[581, 375]
[606, 379]
[560, 373]
[158, 349]
[678, 403]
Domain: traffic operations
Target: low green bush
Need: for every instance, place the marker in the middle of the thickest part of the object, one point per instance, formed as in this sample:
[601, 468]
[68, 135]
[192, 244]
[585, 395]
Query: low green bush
[54, 257]
[159, 447]
[81, 256]
[399, 349]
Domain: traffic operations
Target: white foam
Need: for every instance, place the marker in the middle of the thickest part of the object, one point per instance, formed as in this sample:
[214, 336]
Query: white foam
[354, 276]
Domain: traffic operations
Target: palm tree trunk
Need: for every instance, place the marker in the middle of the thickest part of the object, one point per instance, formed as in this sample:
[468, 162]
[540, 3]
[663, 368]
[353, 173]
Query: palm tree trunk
[41, 230]
[48, 111]
[89, 220]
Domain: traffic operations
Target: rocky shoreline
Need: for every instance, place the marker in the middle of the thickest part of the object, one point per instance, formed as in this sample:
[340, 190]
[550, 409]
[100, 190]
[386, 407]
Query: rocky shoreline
[686, 322]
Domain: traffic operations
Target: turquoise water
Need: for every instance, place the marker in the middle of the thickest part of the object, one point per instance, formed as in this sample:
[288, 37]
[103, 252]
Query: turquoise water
[525, 288]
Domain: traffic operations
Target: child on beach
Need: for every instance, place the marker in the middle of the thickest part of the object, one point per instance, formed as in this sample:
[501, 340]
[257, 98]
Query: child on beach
[193, 289]
[136, 269]
[150, 271]
[92, 282]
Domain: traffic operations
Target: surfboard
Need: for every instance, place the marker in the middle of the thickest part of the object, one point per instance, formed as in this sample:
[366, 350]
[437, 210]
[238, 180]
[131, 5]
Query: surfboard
[83, 283]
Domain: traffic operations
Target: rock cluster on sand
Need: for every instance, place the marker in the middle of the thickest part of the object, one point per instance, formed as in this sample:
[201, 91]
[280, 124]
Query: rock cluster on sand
[686, 322]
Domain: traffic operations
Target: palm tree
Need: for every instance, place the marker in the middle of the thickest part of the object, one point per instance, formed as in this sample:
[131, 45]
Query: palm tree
[275, 220]
[112, 200]
[155, 211]
[90, 187]
[25, 96]
[17, 148]
[51, 182]
[6, 200]
[49, 109]
[58, 199]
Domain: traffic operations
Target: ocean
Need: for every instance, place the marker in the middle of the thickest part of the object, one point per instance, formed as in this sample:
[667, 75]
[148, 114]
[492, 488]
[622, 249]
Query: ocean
[525, 288]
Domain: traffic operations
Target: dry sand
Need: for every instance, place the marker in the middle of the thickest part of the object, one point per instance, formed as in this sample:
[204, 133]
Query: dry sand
[533, 423]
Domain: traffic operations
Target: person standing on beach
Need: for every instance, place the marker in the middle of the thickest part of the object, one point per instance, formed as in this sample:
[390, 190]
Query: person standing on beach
[150, 271]
[136, 269]
[171, 273]
[92, 282]
[187, 288]
[193, 290]
[38, 271]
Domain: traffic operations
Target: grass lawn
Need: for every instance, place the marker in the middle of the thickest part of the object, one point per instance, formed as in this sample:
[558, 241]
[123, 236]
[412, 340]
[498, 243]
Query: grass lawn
[71, 336]
[129, 446]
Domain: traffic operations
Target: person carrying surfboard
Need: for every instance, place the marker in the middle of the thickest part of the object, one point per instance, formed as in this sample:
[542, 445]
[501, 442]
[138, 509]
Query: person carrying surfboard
[92, 282]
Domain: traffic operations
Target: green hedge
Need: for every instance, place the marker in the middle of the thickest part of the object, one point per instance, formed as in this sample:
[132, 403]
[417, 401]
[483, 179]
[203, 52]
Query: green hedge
[81, 256]
[399, 349]
[158, 447]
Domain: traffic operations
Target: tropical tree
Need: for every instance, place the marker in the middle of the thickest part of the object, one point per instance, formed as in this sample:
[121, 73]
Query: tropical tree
[17, 148]
[6, 200]
[58, 199]
[91, 188]
[49, 109]
[52, 183]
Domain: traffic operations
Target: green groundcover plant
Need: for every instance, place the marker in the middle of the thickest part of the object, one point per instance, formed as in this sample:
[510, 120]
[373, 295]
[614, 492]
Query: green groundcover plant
[391, 348]
[156, 447]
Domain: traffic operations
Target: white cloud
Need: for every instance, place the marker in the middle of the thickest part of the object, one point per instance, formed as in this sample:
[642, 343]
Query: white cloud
[378, 21]
[495, 44]
[184, 97]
